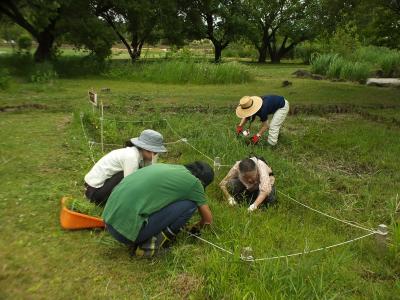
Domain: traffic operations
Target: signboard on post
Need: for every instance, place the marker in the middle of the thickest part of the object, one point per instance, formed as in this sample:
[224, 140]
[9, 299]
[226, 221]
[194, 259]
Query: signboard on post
[93, 98]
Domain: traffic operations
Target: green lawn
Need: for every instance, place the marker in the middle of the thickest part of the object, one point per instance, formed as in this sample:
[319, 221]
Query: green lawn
[345, 164]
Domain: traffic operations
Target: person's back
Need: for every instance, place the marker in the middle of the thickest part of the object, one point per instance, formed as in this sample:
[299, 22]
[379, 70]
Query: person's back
[111, 163]
[147, 191]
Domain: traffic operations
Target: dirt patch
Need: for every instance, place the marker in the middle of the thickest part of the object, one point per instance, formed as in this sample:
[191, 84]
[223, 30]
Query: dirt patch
[22, 107]
[184, 284]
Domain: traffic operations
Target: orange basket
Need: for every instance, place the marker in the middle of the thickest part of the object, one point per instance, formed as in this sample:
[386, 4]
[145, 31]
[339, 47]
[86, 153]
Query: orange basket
[73, 220]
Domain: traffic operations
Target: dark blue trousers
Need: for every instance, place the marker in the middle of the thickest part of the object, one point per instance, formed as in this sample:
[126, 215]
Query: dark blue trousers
[174, 216]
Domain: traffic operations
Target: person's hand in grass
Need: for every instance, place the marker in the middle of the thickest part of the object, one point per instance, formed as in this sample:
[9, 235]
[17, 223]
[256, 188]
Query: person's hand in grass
[232, 201]
[252, 208]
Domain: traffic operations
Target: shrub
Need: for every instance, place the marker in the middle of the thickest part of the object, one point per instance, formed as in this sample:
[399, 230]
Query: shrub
[17, 64]
[75, 66]
[4, 79]
[43, 73]
[306, 51]
[24, 43]
[241, 50]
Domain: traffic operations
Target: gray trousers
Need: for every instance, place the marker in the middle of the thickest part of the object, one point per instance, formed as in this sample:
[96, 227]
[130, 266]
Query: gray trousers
[241, 194]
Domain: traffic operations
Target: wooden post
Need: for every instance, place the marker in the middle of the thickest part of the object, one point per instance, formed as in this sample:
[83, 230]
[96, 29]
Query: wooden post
[101, 127]
[217, 163]
[381, 235]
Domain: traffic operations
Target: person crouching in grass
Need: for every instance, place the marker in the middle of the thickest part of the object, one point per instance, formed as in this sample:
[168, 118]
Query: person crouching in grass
[250, 181]
[149, 207]
[117, 164]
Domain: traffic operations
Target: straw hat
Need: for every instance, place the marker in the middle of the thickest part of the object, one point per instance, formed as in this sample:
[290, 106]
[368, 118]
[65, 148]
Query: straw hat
[150, 140]
[248, 106]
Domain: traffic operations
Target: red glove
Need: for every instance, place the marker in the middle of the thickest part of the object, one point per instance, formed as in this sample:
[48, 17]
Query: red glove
[239, 129]
[255, 139]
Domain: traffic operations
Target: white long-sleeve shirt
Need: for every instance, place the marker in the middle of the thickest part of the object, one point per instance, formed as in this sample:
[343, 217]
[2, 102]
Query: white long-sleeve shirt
[126, 159]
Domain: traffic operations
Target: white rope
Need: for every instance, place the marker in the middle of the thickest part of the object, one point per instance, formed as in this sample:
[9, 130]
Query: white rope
[86, 137]
[311, 251]
[119, 145]
[5, 161]
[185, 140]
[325, 214]
[130, 121]
[212, 244]
[287, 255]
[181, 139]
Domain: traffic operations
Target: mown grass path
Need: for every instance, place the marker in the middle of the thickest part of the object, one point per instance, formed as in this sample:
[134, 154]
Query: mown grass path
[37, 258]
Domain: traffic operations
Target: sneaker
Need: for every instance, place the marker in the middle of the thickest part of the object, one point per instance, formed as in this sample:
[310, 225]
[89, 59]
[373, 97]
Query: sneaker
[153, 245]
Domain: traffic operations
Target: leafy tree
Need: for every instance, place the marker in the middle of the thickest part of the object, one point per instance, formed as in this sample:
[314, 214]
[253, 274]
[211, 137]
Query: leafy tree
[48, 20]
[220, 21]
[37, 17]
[86, 30]
[277, 26]
[378, 22]
[138, 22]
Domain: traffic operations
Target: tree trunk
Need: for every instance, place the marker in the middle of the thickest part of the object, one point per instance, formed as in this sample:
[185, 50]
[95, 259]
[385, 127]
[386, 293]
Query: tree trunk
[217, 52]
[275, 58]
[136, 46]
[262, 53]
[44, 50]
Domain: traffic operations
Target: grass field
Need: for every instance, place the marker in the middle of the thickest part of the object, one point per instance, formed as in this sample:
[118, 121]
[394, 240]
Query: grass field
[338, 152]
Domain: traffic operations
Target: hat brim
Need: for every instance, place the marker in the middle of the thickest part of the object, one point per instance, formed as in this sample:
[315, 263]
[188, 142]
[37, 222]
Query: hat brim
[155, 149]
[247, 112]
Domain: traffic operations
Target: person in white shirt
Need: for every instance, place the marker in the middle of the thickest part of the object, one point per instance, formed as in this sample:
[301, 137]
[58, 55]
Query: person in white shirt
[114, 166]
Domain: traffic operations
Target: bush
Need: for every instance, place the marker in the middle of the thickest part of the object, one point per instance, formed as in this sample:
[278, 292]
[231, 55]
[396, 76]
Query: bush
[306, 51]
[17, 64]
[75, 66]
[4, 79]
[241, 50]
[43, 73]
[24, 43]
[182, 72]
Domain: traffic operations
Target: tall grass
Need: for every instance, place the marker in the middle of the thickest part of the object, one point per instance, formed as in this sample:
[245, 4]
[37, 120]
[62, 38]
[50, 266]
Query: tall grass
[182, 72]
[390, 64]
[354, 71]
[320, 63]
[360, 65]
[335, 67]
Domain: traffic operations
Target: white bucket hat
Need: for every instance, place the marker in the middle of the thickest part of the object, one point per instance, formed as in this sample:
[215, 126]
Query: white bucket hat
[150, 140]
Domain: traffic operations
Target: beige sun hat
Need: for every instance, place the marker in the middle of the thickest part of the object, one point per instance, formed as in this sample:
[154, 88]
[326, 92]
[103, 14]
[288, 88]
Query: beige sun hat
[248, 106]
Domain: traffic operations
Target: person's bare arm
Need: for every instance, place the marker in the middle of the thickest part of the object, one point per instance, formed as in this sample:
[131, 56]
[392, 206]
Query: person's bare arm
[243, 122]
[232, 172]
[206, 215]
[264, 127]
[259, 200]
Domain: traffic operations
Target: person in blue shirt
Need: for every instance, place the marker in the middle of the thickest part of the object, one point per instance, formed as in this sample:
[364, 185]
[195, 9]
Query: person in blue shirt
[251, 107]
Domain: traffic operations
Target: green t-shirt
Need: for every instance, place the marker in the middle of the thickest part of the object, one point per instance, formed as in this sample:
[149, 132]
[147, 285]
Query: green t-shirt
[145, 192]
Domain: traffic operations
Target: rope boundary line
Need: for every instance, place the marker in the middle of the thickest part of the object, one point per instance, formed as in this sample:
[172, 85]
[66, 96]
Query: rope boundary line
[181, 139]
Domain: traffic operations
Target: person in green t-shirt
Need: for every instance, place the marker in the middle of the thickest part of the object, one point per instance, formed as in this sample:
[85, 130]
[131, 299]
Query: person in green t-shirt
[149, 207]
